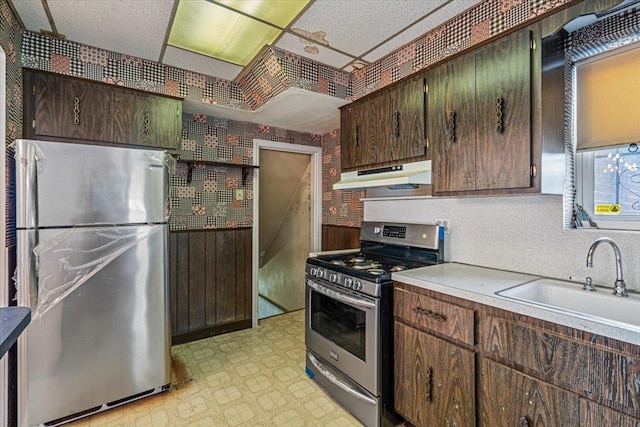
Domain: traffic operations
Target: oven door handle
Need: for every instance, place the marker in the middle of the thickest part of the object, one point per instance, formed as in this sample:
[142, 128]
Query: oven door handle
[335, 380]
[355, 301]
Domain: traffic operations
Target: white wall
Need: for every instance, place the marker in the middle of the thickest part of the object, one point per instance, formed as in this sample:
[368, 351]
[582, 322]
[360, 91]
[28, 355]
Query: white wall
[518, 233]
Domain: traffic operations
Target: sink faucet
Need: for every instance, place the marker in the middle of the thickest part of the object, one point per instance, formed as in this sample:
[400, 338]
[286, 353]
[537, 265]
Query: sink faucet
[619, 287]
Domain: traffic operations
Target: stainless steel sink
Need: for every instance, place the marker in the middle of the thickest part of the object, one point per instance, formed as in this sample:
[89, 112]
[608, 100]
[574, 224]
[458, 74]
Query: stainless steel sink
[569, 298]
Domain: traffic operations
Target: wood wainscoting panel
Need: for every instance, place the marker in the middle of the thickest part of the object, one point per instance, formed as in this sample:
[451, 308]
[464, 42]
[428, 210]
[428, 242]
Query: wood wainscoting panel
[336, 237]
[209, 282]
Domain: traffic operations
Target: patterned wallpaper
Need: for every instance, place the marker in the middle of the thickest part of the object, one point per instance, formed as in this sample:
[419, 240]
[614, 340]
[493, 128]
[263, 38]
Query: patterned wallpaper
[208, 200]
[11, 41]
[339, 207]
[277, 70]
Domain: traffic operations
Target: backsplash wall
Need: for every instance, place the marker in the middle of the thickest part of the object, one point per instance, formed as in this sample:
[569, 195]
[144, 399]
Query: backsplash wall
[518, 233]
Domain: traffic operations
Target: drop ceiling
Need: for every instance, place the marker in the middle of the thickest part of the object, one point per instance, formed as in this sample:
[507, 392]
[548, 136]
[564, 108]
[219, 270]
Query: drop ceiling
[345, 34]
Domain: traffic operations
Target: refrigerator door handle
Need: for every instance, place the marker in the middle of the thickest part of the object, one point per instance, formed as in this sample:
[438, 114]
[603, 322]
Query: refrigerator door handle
[27, 158]
[27, 270]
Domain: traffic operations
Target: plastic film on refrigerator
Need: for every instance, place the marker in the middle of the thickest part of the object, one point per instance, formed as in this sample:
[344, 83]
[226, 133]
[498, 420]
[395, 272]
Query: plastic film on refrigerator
[64, 262]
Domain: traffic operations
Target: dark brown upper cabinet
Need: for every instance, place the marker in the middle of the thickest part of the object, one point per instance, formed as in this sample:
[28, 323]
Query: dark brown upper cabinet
[408, 139]
[480, 117]
[69, 109]
[387, 127]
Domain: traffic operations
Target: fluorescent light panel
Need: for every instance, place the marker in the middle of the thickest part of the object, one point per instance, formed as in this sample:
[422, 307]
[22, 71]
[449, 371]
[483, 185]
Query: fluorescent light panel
[217, 31]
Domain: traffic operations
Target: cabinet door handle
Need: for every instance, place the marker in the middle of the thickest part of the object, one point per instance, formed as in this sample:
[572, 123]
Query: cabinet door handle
[76, 111]
[430, 314]
[427, 386]
[451, 129]
[523, 422]
[499, 121]
[355, 136]
[146, 121]
[397, 123]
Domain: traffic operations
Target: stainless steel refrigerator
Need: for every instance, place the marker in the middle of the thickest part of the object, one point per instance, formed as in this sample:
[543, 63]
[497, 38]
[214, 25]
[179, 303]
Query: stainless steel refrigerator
[91, 264]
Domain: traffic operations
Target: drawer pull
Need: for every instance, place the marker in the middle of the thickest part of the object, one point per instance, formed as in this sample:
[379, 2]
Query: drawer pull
[427, 386]
[430, 314]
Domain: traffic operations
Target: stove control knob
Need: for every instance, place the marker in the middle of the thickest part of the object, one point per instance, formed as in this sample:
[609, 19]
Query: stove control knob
[357, 285]
[348, 282]
[320, 273]
[333, 277]
[313, 271]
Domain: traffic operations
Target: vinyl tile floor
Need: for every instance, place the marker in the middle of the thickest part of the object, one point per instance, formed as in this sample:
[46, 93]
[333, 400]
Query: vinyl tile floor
[253, 377]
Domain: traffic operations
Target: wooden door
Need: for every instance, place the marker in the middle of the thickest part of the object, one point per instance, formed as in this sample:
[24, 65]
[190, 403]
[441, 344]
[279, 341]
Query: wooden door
[156, 121]
[408, 128]
[146, 119]
[434, 380]
[70, 108]
[451, 117]
[503, 113]
[374, 146]
[511, 398]
[352, 136]
[347, 139]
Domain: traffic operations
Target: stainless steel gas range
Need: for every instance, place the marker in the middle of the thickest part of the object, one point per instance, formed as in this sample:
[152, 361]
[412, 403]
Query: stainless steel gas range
[349, 314]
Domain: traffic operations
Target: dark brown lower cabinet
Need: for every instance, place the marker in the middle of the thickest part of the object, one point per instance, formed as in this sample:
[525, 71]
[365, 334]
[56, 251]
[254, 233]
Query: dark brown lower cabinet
[513, 370]
[511, 398]
[434, 380]
[209, 282]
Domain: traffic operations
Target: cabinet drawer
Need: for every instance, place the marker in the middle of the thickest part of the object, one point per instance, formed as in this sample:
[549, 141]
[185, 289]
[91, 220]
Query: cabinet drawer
[431, 314]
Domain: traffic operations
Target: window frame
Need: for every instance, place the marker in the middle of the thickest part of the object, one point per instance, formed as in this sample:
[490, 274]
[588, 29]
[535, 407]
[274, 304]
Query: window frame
[584, 181]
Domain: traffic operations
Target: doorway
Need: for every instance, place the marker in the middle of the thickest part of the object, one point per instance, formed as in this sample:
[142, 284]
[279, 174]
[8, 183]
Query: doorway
[287, 215]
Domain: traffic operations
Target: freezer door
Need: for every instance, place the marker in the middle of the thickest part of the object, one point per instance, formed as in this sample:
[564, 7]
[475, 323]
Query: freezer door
[61, 184]
[106, 339]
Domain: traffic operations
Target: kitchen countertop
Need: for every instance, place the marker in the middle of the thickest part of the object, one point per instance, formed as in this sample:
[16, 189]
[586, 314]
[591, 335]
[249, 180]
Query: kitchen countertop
[13, 320]
[480, 284]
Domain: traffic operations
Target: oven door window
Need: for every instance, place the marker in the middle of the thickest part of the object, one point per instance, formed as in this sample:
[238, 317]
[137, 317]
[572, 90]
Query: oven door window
[340, 323]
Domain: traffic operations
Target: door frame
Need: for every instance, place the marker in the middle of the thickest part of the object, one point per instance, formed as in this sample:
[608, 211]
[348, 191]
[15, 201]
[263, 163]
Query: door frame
[316, 206]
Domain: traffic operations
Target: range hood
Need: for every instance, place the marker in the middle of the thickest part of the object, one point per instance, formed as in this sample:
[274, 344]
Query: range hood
[397, 176]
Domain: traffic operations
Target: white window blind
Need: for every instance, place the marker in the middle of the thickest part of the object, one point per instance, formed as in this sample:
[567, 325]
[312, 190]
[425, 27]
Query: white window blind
[608, 100]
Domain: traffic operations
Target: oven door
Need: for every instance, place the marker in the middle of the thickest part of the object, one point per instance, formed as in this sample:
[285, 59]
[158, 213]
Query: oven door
[342, 327]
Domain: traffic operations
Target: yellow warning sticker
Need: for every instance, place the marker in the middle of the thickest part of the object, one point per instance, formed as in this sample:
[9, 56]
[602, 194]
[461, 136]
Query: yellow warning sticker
[608, 209]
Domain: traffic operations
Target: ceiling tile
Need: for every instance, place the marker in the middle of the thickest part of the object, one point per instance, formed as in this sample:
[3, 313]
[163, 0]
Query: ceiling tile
[355, 27]
[326, 56]
[432, 21]
[199, 63]
[32, 14]
[131, 27]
